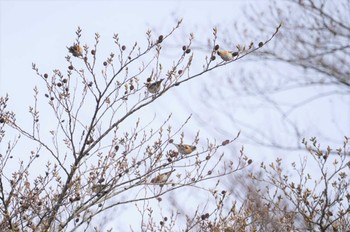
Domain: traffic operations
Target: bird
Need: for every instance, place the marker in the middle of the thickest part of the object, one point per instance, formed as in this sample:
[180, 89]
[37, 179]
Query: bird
[227, 55]
[162, 178]
[184, 148]
[154, 87]
[97, 188]
[76, 50]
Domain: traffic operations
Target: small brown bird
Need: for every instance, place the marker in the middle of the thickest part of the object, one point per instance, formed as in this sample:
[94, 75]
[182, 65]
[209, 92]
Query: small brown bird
[227, 55]
[184, 148]
[154, 87]
[162, 178]
[76, 50]
[97, 188]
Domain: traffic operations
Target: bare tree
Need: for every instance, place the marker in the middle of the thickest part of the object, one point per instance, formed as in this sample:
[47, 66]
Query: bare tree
[309, 62]
[275, 198]
[299, 81]
[101, 154]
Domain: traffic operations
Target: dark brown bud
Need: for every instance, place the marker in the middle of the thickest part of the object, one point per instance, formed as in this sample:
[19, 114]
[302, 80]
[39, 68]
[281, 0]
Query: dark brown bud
[59, 84]
[260, 44]
[177, 84]
[2, 120]
[93, 52]
[184, 48]
[216, 47]
[224, 143]
[149, 79]
[250, 161]
[169, 160]
[165, 219]
[179, 72]
[90, 84]
[105, 63]
[46, 95]
[213, 57]
[46, 76]
[188, 50]
[123, 47]
[70, 67]
[131, 87]
[161, 223]
[208, 157]
[171, 140]
[160, 38]
[210, 172]
[203, 217]
[52, 98]
[116, 148]
[223, 192]
[64, 80]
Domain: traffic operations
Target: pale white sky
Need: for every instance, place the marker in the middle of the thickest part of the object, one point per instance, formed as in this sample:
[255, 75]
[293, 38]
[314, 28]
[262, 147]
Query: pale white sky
[39, 31]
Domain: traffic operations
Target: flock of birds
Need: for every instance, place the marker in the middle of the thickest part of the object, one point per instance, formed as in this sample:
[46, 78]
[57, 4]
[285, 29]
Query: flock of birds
[153, 88]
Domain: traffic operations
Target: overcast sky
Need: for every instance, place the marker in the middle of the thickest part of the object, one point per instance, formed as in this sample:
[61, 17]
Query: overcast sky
[39, 31]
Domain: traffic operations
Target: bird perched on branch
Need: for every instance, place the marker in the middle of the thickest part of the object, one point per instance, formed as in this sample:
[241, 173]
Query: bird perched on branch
[76, 50]
[162, 178]
[227, 55]
[184, 148]
[97, 188]
[154, 87]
